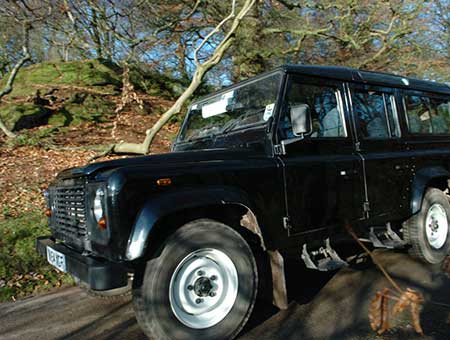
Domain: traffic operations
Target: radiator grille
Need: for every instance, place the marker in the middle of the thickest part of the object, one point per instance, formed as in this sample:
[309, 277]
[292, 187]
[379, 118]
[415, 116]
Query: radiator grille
[68, 219]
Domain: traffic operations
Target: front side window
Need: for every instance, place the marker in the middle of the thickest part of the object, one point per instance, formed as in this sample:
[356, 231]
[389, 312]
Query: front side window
[248, 105]
[374, 114]
[427, 115]
[326, 113]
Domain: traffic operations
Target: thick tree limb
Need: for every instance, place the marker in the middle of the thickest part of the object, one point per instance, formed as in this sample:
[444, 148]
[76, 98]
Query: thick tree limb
[7, 132]
[12, 76]
[201, 70]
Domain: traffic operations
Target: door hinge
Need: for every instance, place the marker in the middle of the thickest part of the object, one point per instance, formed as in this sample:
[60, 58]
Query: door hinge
[279, 149]
[366, 206]
[366, 209]
[358, 146]
[287, 223]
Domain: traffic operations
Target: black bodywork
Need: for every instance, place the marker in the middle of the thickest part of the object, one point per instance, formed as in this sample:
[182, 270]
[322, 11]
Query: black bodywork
[304, 194]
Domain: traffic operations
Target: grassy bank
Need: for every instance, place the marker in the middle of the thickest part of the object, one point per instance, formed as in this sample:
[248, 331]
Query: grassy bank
[63, 114]
[22, 270]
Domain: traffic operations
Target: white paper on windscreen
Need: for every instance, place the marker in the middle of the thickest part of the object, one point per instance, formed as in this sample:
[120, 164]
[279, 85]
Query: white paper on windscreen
[218, 107]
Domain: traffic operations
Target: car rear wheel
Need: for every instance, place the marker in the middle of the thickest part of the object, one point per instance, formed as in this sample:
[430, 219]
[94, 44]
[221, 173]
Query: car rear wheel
[428, 230]
[202, 286]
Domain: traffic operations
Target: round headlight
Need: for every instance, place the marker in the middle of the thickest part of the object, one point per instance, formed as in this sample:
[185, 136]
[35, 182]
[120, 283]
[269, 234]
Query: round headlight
[98, 204]
[47, 197]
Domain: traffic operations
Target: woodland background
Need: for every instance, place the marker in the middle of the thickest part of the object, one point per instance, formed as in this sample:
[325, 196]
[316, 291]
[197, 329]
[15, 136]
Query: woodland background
[96, 72]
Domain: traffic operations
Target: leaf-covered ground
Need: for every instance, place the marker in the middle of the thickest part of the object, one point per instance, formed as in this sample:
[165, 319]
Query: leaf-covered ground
[30, 162]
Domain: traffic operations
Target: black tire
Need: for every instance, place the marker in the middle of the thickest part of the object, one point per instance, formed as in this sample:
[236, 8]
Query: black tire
[151, 286]
[416, 233]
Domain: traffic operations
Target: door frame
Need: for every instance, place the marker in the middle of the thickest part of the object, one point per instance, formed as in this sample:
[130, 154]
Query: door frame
[347, 143]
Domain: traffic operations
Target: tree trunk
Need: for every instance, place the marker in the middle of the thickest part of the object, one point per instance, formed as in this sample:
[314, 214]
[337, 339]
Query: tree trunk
[151, 133]
[201, 70]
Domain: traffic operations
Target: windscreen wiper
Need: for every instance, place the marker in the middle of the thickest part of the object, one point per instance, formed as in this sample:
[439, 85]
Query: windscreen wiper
[196, 139]
[231, 125]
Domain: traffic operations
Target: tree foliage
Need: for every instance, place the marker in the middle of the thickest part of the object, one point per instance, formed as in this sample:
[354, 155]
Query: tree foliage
[401, 36]
[396, 35]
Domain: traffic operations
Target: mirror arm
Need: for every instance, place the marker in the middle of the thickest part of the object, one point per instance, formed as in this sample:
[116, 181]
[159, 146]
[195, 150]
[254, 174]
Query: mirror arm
[292, 140]
[285, 142]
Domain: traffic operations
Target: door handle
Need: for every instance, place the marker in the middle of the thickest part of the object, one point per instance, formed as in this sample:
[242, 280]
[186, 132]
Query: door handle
[346, 172]
[401, 166]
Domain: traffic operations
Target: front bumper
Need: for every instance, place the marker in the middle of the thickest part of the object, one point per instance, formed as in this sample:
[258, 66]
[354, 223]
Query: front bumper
[97, 273]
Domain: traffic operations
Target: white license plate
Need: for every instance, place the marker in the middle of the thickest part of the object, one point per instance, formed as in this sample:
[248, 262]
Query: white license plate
[56, 259]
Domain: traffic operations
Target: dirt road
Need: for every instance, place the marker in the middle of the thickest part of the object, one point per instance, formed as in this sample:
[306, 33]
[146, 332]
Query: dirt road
[326, 306]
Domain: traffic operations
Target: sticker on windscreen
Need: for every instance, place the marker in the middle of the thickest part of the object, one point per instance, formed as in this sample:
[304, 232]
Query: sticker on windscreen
[218, 106]
[268, 112]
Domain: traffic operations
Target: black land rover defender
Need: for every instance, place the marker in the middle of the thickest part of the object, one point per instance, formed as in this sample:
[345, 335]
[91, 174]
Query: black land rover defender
[263, 171]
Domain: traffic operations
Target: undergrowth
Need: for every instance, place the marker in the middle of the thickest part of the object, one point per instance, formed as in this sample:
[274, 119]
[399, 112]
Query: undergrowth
[22, 270]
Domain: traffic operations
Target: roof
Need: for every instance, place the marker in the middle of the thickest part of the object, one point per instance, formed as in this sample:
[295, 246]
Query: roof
[360, 76]
[347, 74]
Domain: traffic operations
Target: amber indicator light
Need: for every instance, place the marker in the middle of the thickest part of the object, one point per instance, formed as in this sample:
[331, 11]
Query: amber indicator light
[102, 223]
[48, 212]
[162, 182]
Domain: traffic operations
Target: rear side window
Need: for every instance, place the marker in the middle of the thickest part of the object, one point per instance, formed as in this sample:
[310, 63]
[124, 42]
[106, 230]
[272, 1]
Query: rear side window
[427, 115]
[374, 114]
[326, 113]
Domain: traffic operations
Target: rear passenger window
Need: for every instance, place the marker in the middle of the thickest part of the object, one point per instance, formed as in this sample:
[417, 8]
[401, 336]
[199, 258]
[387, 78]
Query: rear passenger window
[418, 114]
[427, 115]
[440, 119]
[374, 114]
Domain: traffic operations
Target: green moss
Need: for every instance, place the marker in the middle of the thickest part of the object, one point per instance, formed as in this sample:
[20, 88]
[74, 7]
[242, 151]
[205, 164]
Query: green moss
[91, 108]
[22, 270]
[157, 84]
[78, 91]
[60, 118]
[20, 116]
[91, 73]
[34, 138]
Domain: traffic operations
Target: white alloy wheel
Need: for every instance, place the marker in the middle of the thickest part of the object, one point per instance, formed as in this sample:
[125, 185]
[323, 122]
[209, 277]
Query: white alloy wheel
[436, 226]
[203, 288]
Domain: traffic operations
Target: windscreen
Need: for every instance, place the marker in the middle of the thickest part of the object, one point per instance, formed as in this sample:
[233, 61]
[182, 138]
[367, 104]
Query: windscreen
[251, 104]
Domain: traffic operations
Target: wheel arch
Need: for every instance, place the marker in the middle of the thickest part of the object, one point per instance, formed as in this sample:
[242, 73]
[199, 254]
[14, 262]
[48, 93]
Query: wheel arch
[435, 177]
[161, 216]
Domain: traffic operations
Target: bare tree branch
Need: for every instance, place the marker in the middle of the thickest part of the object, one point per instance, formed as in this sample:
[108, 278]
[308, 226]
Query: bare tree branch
[12, 76]
[201, 70]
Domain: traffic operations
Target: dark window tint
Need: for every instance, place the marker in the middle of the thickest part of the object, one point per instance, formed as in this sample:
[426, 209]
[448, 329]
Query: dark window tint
[325, 111]
[427, 115]
[374, 114]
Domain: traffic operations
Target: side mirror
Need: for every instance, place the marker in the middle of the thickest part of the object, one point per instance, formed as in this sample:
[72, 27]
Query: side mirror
[301, 119]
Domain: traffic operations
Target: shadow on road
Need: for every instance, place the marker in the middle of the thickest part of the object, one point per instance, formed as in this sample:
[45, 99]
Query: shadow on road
[323, 306]
[334, 305]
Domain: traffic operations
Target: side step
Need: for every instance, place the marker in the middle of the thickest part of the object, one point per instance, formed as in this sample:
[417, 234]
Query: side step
[327, 260]
[386, 239]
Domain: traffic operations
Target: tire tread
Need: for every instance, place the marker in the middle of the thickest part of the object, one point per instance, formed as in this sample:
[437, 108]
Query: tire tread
[149, 325]
[414, 229]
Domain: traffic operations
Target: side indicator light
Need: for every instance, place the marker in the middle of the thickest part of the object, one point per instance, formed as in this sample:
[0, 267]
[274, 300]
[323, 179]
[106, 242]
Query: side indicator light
[48, 212]
[102, 223]
[163, 182]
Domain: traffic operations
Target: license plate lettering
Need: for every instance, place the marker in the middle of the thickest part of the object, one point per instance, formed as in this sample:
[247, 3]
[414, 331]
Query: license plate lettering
[55, 258]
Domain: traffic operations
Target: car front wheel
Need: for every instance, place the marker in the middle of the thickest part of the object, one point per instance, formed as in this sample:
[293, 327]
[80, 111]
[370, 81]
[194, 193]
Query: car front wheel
[202, 286]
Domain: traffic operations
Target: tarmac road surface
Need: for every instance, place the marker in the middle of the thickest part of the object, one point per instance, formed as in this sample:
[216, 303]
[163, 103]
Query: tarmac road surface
[326, 306]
